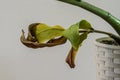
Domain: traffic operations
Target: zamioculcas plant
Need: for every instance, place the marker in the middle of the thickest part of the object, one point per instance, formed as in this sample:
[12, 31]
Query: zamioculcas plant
[41, 35]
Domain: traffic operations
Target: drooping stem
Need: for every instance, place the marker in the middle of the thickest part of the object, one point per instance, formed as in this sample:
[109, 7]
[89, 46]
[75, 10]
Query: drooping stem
[113, 21]
[115, 37]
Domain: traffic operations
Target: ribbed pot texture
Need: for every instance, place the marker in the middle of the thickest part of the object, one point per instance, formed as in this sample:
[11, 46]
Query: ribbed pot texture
[107, 60]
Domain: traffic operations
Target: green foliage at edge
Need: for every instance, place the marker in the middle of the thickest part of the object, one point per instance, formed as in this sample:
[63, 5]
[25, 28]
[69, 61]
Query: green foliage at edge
[72, 33]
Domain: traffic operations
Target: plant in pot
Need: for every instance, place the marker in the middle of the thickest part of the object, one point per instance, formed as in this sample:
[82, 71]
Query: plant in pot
[108, 56]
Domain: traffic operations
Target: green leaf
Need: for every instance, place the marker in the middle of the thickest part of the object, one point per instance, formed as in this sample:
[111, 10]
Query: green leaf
[72, 34]
[83, 24]
[76, 39]
[44, 32]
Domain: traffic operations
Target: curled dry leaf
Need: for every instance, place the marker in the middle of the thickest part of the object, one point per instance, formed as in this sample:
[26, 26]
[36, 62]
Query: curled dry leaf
[32, 42]
[71, 57]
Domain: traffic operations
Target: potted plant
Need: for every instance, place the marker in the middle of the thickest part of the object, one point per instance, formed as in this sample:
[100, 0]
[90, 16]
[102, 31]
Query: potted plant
[108, 55]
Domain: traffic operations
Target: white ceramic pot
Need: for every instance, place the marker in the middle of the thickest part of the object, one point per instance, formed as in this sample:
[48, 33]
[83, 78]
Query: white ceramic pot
[108, 60]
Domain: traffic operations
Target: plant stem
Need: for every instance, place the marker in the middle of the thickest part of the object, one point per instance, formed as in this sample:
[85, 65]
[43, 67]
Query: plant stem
[115, 37]
[113, 21]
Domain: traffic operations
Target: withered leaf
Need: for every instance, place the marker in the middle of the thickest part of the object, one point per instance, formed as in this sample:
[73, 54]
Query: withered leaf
[71, 57]
[33, 42]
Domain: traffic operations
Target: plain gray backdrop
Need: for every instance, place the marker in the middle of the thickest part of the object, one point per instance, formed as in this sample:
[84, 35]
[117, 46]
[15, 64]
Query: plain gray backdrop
[18, 62]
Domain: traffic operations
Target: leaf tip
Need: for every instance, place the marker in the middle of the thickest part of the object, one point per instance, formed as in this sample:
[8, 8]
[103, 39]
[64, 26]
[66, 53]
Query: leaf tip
[71, 58]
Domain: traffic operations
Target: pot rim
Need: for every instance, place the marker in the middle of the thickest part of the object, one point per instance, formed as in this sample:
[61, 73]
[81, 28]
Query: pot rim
[97, 43]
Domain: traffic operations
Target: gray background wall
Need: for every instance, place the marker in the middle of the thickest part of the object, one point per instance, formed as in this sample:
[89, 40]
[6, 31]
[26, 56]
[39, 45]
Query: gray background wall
[18, 62]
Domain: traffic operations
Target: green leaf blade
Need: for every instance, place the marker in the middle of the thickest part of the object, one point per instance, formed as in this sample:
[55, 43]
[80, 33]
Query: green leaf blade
[44, 32]
[84, 24]
[76, 39]
[73, 35]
